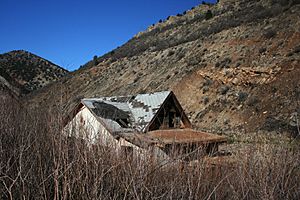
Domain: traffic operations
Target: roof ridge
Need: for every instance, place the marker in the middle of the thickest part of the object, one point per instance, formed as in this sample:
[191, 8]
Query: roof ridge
[129, 96]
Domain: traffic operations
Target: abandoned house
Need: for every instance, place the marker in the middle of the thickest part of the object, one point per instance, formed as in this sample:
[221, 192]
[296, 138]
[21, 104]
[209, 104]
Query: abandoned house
[140, 122]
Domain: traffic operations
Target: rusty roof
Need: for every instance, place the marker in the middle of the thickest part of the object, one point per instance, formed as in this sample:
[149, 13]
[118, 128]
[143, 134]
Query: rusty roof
[181, 136]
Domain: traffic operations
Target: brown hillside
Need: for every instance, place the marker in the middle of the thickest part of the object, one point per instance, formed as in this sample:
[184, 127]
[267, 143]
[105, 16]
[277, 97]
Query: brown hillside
[237, 70]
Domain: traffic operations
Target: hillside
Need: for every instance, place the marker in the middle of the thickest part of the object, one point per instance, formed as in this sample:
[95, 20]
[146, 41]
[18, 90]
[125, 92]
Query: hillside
[22, 72]
[234, 67]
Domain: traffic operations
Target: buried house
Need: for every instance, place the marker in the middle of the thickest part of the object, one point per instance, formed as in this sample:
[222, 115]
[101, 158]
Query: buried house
[140, 123]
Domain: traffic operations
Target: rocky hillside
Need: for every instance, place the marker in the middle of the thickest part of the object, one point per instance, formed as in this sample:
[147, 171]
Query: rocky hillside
[234, 66]
[22, 72]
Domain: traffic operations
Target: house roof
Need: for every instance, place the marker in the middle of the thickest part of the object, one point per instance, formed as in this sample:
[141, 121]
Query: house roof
[136, 111]
[162, 138]
[183, 136]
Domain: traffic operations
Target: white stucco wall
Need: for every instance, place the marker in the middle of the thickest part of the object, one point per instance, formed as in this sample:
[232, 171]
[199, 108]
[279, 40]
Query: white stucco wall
[84, 125]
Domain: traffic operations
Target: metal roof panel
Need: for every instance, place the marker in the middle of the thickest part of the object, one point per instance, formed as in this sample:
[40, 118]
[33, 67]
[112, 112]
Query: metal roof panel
[141, 108]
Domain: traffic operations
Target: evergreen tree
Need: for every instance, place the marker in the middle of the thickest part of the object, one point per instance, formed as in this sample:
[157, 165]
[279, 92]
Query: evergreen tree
[208, 15]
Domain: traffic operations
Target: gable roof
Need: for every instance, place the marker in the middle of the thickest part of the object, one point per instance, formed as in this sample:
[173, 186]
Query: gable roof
[136, 110]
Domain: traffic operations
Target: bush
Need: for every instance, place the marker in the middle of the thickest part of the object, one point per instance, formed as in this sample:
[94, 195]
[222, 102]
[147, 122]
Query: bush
[205, 89]
[208, 15]
[170, 53]
[224, 63]
[38, 162]
[262, 50]
[270, 33]
[242, 96]
[224, 89]
[253, 100]
[95, 60]
[205, 100]
[207, 82]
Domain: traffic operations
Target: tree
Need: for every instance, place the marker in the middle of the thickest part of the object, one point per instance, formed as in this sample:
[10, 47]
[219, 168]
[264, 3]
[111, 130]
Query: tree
[95, 60]
[208, 15]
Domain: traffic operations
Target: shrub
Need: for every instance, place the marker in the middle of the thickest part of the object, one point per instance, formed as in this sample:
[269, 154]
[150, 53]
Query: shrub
[194, 61]
[95, 60]
[207, 82]
[223, 63]
[281, 2]
[237, 64]
[224, 89]
[205, 100]
[297, 49]
[253, 100]
[171, 52]
[242, 96]
[262, 50]
[208, 15]
[205, 89]
[38, 162]
[180, 55]
[270, 33]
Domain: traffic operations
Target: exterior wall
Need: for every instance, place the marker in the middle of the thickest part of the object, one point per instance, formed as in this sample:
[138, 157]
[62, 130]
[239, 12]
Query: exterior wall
[84, 125]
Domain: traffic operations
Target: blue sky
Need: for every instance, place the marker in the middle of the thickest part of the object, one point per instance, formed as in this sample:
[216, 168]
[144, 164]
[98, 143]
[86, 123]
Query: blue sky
[70, 32]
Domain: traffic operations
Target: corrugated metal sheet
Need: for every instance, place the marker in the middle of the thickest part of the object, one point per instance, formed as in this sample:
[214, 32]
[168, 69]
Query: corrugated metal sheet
[141, 108]
[149, 105]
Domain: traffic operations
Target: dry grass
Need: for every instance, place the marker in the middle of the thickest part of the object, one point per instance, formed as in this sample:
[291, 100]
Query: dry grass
[38, 162]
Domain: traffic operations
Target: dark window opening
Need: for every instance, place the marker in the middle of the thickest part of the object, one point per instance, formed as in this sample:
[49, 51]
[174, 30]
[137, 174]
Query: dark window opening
[81, 120]
[172, 119]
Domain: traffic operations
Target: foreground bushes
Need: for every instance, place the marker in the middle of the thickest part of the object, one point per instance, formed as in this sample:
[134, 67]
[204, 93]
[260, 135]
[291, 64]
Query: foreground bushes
[37, 162]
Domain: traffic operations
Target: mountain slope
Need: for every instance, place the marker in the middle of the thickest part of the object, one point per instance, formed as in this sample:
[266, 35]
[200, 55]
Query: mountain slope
[23, 72]
[234, 66]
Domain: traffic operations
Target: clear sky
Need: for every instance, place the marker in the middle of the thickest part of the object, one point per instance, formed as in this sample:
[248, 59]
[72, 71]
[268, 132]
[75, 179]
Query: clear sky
[70, 32]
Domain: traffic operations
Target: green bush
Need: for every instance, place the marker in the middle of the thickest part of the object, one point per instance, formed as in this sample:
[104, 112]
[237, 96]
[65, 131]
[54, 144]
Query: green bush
[95, 60]
[208, 15]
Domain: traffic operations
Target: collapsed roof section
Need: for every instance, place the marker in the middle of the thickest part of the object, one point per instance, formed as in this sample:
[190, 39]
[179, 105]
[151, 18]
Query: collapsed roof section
[132, 113]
